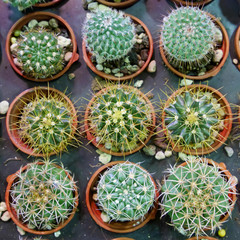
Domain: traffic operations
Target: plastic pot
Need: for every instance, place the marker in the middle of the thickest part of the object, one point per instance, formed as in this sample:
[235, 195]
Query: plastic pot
[90, 132]
[14, 113]
[236, 44]
[47, 4]
[115, 226]
[87, 56]
[222, 136]
[124, 4]
[191, 3]
[13, 214]
[41, 16]
[210, 73]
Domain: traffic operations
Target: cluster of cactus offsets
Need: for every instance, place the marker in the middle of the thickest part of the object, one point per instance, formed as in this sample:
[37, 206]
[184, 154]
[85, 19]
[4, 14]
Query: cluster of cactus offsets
[126, 192]
[43, 196]
[109, 35]
[22, 4]
[194, 118]
[46, 124]
[196, 196]
[120, 118]
[187, 37]
[40, 54]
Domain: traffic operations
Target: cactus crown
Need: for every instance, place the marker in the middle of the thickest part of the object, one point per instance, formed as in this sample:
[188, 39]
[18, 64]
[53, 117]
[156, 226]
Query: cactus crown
[120, 118]
[43, 196]
[126, 192]
[194, 118]
[22, 4]
[196, 196]
[109, 34]
[188, 37]
[39, 53]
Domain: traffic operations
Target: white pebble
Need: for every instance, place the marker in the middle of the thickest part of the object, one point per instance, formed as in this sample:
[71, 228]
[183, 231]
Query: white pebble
[95, 197]
[186, 82]
[235, 61]
[217, 56]
[4, 105]
[57, 234]
[152, 66]
[168, 153]
[68, 56]
[14, 48]
[6, 216]
[138, 83]
[105, 158]
[229, 151]
[142, 35]
[3, 207]
[160, 155]
[139, 41]
[64, 42]
[218, 36]
[105, 217]
[17, 63]
[21, 231]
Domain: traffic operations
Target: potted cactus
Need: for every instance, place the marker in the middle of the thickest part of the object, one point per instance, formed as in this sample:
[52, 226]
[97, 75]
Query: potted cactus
[113, 43]
[193, 43]
[121, 197]
[42, 121]
[237, 45]
[37, 49]
[41, 197]
[118, 3]
[202, 238]
[196, 119]
[119, 120]
[198, 195]
[192, 3]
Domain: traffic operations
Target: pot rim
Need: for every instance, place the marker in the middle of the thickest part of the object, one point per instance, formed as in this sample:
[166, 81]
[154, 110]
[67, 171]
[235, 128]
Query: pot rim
[236, 44]
[192, 4]
[125, 4]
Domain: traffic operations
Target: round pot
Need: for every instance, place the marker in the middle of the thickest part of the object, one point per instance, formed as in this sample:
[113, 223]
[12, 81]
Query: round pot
[191, 3]
[47, 4]
[87, 56]
[236, 44]
[14, 113]
[41, 16]
[114, 226]
[91, 137]
[210, 73]
[222, 136]
[199, 238]
[10, 180]
[125, 4]
[123, 238]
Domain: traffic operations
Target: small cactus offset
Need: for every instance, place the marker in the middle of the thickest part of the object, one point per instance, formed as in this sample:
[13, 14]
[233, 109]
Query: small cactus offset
[120, 118]
[187, 37]
[126, 192]
[109, 35]
[43, 196]
[196, 196]
[22, 4]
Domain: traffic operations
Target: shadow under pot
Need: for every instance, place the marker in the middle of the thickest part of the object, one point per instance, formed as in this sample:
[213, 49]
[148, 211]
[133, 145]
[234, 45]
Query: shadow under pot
[41, 197]
[237, 45]
[41, 46]
[122, 197]
[193, 44]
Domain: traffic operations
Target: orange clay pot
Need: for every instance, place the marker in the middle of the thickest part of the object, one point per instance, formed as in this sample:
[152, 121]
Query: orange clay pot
[13, 214]
[47, 4]
[123, 238]
[115, 226]
[41, 16]
[90, 132]
[87, 56]
[214, 71]
[237, 47]
[14, 113]
[199, 238]
[125, 4]
[191, 3]
[222, 136]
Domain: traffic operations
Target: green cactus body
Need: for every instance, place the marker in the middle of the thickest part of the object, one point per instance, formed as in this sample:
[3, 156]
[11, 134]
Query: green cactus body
[39, 53]
[126, 192]
[43, 196]
[196, 196]
[193, 118]
[22, 4]
[120, 118]
[109, 35]
[188, 38]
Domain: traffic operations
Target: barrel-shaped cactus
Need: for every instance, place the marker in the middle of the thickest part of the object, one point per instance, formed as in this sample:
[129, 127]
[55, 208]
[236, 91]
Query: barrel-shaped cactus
[125, 192]
[197, 196]
[22, 4]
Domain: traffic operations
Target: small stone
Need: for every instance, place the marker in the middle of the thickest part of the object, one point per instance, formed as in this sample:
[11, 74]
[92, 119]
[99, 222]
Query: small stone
[105, 217]
[3, 207]
[139, 29]
[95, 197]
[43, 24]
[145, 41]
[71, 76]
[141, 35]
[100, 59]
[118, 75]
[144, 54]
[57, 234]
[184, 157]
[108, 145]
[152, 66]
[6, 216]
[105, 158]
[138, 83]
[126, 60]
[218, 36]
[17, 63]
[102, 7]
[99, 67]
[32, 24]
[168, 153]
[92, 6]
[14, 48]
[134, 68]
[139, 41]
[53, 23]
[13, 40]
[160, 144]
[141, 63]
[150, 150]
[68, 56]
[217, 56]
[115, 70]
[229, 151]
[186, 82]
[160, 155]
[64, 42]
[202, 72]
[124, 70]
[235, 61]
[107, 70]
[21, 231]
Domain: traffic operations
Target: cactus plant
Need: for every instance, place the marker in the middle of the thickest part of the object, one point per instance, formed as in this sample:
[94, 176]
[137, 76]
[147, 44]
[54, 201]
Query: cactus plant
[22, 4]
[43, 195]
[197, 195]
[125, 192]
[120, 118]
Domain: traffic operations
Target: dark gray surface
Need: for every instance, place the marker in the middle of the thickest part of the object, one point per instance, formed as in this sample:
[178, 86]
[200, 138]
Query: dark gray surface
[79, 160]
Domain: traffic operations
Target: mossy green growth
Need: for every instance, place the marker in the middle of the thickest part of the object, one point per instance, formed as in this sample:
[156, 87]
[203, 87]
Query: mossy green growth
[22, 4]
[125, 192]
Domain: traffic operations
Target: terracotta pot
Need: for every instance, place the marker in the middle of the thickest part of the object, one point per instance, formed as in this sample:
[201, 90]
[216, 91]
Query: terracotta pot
[87, 56]
[114, 226]
[236, 44]
[91, 137]
[14, 113]
[223, 135]
[199, 238]
[125, 4]
[13, 214]
[191, 3]
[47, 4]
[41, 16]
[210, 73]
[123, 238]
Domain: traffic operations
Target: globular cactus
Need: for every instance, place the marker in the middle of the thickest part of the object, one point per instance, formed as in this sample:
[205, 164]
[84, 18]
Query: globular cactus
[187, 37]
[43, 196]
[120, 118]
[193, 119]
[125, 192]
[39, 53]
[109, 35]
[22, 4]
[196, 196]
